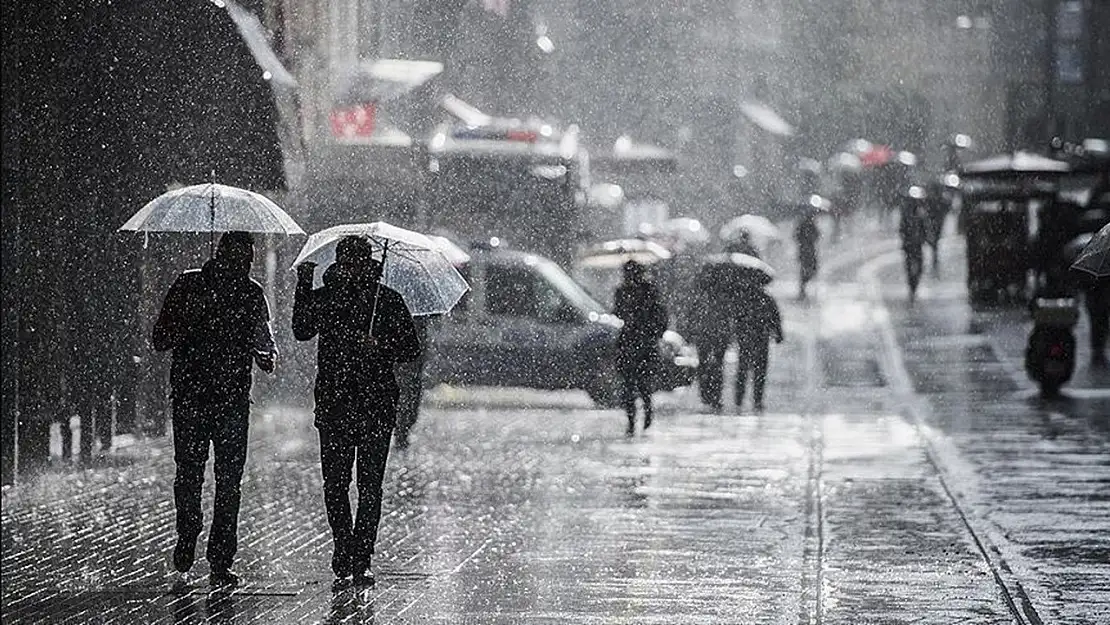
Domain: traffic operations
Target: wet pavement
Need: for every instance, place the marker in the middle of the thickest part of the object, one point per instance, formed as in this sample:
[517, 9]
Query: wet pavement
[896, 477]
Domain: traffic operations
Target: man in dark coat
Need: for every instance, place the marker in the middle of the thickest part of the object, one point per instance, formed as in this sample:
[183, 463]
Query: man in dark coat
[806, 235]
[757, 322]
[217, 322]
[711, 332]
[912, 230]
[638, 305]
[364, 330]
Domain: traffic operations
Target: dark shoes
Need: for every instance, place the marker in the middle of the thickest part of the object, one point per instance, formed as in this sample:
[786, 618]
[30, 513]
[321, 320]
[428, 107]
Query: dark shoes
[363, 579]
[183, 554]
[223, 578]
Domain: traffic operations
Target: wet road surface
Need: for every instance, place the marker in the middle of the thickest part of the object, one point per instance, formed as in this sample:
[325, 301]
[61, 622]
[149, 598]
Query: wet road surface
[894, 478]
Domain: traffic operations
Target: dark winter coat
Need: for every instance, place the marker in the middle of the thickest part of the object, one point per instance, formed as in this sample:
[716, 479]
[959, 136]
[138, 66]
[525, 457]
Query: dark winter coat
[758, 319]
[215, 319]
[641, 309]
[350, 373]
[912, 226]
[806, 236]
[715, 295]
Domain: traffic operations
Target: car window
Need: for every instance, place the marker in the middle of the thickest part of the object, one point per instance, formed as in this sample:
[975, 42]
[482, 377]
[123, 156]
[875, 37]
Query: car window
[511, 291]
[524, 292]
[570, 291]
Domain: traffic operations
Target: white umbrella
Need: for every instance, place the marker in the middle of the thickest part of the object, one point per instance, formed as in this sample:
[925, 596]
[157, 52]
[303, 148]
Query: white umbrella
[413, 264]
[211, 208]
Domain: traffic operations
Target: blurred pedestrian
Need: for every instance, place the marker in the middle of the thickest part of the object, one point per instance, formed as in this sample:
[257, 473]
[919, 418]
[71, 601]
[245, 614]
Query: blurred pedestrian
[638, 305]
[1096, 298]
[806, 235]
[936, 211]
[912, 231]
[711, 334]
[364, 330]
[410, 382]
[758, 321]
[217, 322]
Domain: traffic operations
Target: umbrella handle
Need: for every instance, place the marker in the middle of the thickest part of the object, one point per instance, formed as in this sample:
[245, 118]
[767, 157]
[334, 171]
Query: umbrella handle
[378, 289]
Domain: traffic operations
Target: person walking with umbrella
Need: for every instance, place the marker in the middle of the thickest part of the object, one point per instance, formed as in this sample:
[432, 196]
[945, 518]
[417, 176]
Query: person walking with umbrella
[712, 329]
[1093, 267]
[217, 322]
[638, 305]
[757, 322]
[364, 329]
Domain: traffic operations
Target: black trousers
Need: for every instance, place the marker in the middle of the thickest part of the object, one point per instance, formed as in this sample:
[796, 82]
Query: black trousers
[340, 448]
[196, 425]
[711, 363]
[753, 357]
[638, 372]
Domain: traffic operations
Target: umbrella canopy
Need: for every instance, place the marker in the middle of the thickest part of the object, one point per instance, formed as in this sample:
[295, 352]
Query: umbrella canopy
[755, 225]
[413, 264]
[617, 252]
[735, 269]
[211, 208]
[455, 255]
[1095, 258]
[1018, 163]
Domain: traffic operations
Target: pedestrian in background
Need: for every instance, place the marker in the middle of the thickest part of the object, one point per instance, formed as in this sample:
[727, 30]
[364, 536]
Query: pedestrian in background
[712, 333]
[806, 235]
[364, 329]
[217, 322]
[758, 321]
[1096, 298]
[912, 231]
[638, 305]
[410, 382]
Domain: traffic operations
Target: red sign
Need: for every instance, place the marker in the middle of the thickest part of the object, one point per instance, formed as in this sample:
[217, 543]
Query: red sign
[355, 121]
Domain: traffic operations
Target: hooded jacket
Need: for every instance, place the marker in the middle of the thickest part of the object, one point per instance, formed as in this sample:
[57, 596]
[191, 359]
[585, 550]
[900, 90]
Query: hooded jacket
[349, 371]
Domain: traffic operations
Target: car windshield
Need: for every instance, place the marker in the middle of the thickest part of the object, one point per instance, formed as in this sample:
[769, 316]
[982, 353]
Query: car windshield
[566, 285]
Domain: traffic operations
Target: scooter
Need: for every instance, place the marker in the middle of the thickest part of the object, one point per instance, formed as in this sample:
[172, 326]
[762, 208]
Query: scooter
[1050, 352]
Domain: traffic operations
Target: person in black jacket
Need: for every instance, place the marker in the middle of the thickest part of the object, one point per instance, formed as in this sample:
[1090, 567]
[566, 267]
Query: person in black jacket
[638, 305]
[364, 330]
[217, 322]
[806, 235]
[758, 320]
[912, 229]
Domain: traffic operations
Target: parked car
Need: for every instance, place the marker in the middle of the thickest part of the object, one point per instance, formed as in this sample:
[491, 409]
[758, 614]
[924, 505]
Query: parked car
[527, 323]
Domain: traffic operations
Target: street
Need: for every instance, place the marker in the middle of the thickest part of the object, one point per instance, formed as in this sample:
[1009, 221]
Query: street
[905, 471]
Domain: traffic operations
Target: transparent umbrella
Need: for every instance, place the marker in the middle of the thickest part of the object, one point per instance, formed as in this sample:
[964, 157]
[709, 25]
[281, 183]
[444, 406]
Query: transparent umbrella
[413, 264]
[1095, 258]
[211, 208]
